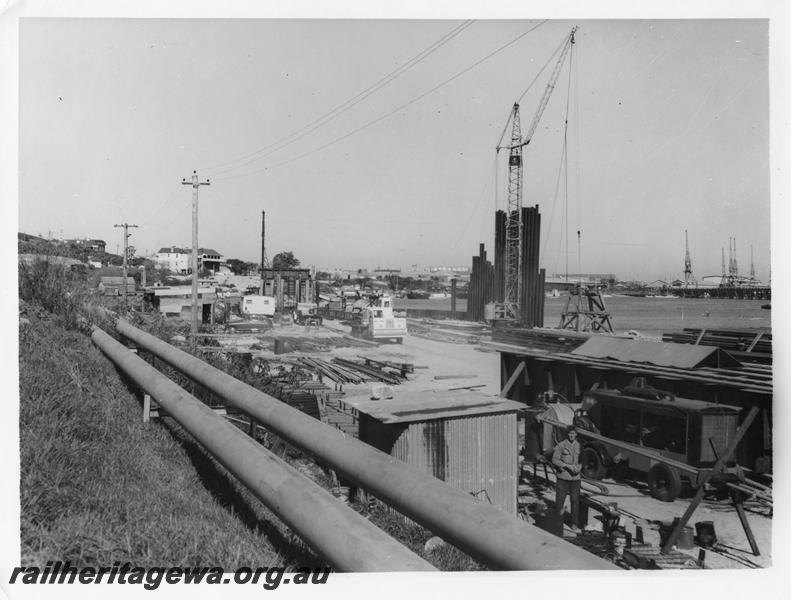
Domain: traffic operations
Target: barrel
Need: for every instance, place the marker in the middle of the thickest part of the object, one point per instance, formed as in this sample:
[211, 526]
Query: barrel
[706, 534]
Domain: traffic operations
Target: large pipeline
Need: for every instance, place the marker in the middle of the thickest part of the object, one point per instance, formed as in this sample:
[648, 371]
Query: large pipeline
[343, 537]
[483, 531]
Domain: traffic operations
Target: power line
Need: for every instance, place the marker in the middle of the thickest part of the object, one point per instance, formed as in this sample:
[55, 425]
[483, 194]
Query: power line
[392, 112]
[344, 106]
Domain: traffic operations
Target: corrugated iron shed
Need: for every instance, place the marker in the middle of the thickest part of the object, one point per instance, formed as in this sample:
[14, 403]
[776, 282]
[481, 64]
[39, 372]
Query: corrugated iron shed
[662, 354]
[463, 438]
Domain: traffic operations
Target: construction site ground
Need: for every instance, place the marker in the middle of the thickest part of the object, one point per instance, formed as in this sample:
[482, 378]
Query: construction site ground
[447, 357]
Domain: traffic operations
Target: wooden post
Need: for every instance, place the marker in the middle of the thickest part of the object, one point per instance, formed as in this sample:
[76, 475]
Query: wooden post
[146, 408]
[737, 498]
[511, 380]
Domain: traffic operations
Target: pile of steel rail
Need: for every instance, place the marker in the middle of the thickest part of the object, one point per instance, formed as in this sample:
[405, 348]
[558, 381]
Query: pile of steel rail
[342, 370]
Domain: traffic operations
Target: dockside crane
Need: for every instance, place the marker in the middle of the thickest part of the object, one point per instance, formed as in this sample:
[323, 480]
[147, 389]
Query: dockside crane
[689, 278]
[514, 226]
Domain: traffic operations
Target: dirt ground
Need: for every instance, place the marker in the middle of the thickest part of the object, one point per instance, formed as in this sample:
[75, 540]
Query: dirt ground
[458, 362]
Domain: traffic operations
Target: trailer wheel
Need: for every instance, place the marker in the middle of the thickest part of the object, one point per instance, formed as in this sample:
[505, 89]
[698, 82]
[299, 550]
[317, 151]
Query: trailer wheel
[664, 482]
[592, 463]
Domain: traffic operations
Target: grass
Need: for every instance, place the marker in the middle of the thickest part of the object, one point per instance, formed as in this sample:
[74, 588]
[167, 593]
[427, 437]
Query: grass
[98, 485]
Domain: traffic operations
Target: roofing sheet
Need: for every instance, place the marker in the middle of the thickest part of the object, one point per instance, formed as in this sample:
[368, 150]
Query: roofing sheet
[662, 354]
[411, 407]
[683, 404]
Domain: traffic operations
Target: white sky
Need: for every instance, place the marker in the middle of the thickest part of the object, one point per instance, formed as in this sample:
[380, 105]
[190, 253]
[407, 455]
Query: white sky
[669, 130]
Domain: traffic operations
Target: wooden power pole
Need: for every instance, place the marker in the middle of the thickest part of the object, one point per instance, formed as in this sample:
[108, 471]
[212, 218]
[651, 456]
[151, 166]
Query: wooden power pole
[126, 227]
[195, 185]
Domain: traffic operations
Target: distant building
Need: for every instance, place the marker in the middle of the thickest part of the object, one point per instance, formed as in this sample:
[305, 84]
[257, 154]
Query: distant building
[180, 259]
[599, 278]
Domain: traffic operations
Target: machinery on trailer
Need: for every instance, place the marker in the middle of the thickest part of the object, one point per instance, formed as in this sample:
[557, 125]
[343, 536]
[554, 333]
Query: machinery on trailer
[306, 313]
[668, 438]
[373, 319]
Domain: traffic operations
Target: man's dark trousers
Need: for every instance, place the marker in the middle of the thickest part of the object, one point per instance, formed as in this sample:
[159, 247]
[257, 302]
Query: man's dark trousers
[565, 488]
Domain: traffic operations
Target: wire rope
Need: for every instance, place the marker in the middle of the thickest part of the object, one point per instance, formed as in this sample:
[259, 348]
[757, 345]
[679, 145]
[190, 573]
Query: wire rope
[344, 106]
[388, 114]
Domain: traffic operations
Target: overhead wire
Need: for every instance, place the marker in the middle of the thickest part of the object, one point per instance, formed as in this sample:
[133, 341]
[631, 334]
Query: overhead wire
[390, 113]
[562, 170]
[344, 106]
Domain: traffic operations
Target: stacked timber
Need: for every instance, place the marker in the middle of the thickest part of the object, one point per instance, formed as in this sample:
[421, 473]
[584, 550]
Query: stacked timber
[548, 340]
[301, 396]
[748, 346]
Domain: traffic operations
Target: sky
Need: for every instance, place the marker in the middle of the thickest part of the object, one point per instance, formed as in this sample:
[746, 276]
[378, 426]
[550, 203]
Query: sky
[668, 130]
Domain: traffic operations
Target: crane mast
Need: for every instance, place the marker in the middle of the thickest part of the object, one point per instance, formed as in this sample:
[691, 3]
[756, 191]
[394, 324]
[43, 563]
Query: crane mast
[514, 225]
[688, 277]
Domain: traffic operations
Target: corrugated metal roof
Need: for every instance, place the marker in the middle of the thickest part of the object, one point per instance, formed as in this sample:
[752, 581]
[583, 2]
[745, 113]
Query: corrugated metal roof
[110, 280]
[662, 354]
[411, 407]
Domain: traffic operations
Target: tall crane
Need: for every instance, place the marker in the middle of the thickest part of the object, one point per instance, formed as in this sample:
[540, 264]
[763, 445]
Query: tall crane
[513, 224]
[688, 277]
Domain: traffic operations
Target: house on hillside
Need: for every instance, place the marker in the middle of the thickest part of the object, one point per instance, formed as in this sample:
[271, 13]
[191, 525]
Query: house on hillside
[179, 260]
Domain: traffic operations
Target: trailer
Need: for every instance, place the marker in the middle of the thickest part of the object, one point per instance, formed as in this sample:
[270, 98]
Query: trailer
[668, 438]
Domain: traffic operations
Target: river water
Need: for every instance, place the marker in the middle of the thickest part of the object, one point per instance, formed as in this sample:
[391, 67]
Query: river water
[649, 316]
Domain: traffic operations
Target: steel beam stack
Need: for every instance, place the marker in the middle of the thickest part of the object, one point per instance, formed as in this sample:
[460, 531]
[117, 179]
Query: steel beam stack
[482, 288]
[500, 219]
[531, 297]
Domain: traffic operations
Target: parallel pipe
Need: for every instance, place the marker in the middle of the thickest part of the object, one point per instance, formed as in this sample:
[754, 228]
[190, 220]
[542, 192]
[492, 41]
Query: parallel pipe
[483, 531]
[343, 537]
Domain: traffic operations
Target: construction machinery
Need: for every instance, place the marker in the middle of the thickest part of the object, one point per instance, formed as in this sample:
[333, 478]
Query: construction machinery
[508, 305]
[373, 319]
[306, 313]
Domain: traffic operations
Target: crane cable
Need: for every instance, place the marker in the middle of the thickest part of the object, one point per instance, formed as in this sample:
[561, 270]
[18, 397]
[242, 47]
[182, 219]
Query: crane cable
[344, 106]
[390, 113]
[527, 89]
[563, 169]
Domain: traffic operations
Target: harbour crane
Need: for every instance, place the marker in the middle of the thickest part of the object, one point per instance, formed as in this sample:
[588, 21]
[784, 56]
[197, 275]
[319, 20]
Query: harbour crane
[689, 278]
[514, 226]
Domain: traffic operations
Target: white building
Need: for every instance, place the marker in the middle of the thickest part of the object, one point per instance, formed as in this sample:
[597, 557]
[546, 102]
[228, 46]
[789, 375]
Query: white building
[179, 260]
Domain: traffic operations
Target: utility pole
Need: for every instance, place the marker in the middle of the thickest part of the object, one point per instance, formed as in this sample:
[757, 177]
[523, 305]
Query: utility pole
[263, 249]
[126, 227]
[195, 185]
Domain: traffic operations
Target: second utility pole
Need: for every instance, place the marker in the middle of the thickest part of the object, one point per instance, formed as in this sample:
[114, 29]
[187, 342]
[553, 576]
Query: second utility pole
[126, 226]
[195, 185]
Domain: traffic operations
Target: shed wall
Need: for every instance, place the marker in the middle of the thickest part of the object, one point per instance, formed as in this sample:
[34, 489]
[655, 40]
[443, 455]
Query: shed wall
[476, 454]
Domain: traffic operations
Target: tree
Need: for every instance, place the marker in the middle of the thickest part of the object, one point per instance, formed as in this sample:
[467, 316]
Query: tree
[241, 267]
[285, 260]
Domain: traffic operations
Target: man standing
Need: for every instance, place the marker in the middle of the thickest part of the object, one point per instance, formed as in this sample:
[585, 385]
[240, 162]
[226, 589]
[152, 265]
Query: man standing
[566, 459]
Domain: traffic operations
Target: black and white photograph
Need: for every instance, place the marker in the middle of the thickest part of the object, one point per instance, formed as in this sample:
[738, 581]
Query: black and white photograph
[320, 299]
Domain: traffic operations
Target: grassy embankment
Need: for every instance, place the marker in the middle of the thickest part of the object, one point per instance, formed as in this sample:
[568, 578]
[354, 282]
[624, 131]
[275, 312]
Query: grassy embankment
[98, 485]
